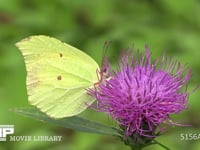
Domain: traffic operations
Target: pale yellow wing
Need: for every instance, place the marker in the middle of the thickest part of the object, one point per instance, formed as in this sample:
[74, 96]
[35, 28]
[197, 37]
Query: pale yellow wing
[57, 76]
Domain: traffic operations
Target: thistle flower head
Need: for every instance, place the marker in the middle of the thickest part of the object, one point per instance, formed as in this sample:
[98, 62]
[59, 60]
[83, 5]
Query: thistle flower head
[140, 94]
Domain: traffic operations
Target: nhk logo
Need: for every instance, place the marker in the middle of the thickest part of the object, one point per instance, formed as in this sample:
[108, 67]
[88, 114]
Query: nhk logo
[5, 130]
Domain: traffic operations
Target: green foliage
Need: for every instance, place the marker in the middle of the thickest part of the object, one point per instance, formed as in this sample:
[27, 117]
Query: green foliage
[168, 25]
[75, 122]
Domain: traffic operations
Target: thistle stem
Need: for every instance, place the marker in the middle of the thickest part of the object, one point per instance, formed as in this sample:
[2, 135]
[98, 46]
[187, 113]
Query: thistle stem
[156, 142]
[134, 148]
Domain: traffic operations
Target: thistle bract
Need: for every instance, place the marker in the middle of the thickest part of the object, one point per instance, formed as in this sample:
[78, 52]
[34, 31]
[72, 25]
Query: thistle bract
[141, 94]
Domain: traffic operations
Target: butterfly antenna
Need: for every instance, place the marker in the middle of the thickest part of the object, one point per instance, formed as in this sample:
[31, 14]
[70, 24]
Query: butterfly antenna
[105, 50]
[104, 64]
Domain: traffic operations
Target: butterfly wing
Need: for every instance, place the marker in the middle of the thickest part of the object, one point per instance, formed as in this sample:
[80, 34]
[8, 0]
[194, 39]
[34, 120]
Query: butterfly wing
[57, 76]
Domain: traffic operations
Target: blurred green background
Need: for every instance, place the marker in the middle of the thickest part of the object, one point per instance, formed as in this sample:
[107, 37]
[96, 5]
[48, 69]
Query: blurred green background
[168, 25]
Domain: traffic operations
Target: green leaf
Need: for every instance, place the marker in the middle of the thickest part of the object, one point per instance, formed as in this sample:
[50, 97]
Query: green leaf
[75, 122]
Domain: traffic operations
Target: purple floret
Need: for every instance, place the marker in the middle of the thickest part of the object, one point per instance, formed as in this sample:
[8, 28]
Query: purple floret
[141, 95]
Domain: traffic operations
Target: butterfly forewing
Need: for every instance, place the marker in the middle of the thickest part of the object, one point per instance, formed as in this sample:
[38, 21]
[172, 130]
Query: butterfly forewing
[57, 76]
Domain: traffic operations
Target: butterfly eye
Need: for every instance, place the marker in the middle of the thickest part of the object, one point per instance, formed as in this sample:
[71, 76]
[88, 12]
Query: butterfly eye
[104, 70]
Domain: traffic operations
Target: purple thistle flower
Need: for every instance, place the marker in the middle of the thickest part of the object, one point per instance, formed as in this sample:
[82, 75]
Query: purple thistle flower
[140, 94]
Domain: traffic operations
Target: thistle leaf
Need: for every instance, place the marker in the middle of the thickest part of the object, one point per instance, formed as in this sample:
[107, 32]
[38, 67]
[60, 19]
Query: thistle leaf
[75, 122]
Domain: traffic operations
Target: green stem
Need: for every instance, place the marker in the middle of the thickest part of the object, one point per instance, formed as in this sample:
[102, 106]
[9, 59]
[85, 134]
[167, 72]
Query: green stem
[156, 142]
[134, 148]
